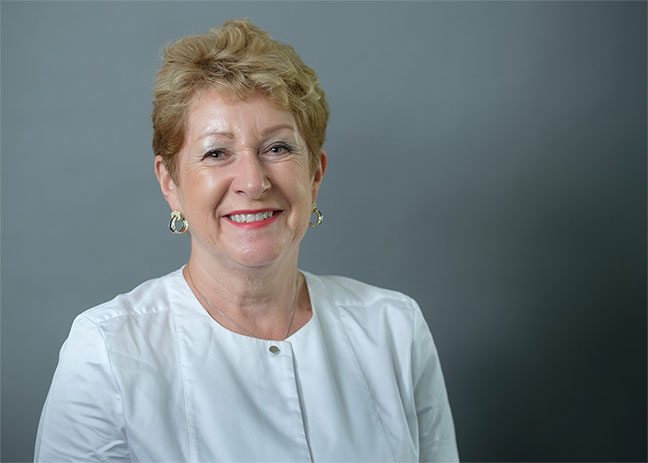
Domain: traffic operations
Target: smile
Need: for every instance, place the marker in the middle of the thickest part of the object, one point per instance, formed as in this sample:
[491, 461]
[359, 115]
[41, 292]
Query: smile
[249, 218]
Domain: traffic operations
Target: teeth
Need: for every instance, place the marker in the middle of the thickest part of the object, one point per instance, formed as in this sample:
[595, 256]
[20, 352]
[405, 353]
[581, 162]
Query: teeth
[247, 218]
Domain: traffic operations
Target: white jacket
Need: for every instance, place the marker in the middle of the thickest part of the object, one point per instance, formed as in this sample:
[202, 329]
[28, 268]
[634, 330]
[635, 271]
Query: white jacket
[150, 376]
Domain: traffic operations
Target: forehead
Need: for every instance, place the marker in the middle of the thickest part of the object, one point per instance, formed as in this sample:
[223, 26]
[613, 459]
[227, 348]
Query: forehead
[212, 111]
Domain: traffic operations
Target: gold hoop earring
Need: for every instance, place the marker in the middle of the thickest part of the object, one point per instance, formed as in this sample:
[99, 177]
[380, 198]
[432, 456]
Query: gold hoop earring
[320, 216]
[173, 224]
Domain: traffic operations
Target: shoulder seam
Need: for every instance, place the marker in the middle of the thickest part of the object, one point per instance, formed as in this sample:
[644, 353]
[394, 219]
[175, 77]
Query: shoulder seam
[98, 320]
[408, 301]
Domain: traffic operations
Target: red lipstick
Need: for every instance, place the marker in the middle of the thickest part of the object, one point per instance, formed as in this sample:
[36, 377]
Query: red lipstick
[250, 219]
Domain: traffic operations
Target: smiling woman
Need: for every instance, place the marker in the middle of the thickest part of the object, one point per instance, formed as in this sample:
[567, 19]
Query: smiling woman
[241, 160]
[239, 355]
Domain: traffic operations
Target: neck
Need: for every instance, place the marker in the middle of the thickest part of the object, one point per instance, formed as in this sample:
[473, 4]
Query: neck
[255, 302]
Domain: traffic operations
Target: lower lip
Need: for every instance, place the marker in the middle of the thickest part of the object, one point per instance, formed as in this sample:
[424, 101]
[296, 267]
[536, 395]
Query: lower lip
[254, 225]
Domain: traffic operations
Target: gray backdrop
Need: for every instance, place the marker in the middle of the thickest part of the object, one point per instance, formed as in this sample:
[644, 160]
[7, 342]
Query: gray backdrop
[487, 158]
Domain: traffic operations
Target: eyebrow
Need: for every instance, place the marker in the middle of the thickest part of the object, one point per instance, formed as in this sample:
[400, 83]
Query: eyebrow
[269, 130]
[276, 128]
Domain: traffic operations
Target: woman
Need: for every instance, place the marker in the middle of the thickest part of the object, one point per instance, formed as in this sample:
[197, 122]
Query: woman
[239, 355]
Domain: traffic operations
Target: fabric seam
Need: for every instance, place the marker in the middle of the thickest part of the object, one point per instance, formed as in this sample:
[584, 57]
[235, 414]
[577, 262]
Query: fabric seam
[190, 426]
[364, 380]
[415, 380]
[99, 320]
[112, 375]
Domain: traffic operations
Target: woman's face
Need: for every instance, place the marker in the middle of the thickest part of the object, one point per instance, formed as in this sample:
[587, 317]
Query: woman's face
[243, 181]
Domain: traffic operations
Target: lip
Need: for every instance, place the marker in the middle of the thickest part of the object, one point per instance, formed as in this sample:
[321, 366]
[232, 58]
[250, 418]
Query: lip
[253, 225]
[253, 211]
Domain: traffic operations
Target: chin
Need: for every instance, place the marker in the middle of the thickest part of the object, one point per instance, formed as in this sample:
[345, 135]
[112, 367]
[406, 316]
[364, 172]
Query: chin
[256, 258]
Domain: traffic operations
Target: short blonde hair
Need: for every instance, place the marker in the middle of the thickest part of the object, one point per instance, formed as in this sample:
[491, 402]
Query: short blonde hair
[240, 59]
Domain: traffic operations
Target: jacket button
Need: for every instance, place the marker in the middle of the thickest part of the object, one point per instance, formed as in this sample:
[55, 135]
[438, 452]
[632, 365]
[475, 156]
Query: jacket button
[274, 349]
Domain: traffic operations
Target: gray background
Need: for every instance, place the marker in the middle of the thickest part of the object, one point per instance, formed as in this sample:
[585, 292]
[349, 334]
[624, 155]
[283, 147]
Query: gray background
[487, 158]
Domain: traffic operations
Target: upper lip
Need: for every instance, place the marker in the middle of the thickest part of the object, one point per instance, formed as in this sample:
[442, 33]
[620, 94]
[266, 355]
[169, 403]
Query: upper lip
[252, 211]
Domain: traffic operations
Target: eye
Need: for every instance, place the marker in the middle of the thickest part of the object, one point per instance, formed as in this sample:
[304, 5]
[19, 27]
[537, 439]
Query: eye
[280, 148]
[215, 154]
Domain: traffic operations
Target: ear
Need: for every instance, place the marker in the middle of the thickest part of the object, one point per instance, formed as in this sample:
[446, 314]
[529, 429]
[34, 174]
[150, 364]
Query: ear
[167, 185]
[318, 175]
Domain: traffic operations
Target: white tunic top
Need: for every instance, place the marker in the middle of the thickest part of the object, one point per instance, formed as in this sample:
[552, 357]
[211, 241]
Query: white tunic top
[150, 376]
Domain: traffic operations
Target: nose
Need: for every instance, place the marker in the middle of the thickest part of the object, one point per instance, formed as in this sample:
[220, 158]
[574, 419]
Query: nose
[250, 177]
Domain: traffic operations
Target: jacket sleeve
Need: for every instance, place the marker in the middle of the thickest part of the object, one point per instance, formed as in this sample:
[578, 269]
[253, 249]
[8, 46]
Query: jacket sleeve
[437, 440]
[82, 419]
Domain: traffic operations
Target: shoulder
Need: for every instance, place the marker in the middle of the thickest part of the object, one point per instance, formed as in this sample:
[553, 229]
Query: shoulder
[349, 292]
[149, 298]
[366, 303]
[140, 320]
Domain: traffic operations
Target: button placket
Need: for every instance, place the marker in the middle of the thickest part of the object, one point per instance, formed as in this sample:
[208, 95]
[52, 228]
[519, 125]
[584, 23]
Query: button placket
[282, 365]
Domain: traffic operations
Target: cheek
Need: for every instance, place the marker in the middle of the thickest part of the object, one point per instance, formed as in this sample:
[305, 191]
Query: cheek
[203, 192]
[305, 195]
[306, 207]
